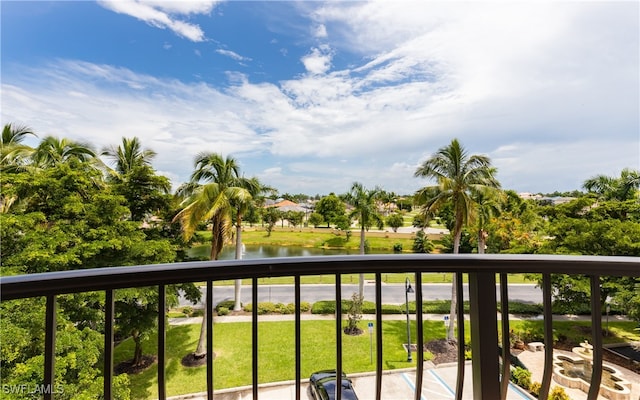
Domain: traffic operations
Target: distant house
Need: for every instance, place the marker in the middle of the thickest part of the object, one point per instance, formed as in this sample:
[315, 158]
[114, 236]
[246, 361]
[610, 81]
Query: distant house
[288, 205]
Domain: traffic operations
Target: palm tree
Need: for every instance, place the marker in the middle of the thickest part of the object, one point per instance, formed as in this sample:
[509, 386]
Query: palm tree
[611, 188]
[128, 155]
[487, 207]
[134, 178]
[14, 154]
[365, 210]
[458, 176]
[211, 201]
[241, 206]
[52, 151]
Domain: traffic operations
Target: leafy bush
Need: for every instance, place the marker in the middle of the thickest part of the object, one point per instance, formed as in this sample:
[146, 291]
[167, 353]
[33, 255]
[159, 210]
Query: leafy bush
[187, 310]
[354, 315]
[305, 306]
[197, 313]
[223, 311]
[323, 307]
[573, 308]
[558, 393]
[535, 388]
[521, 377]
[266, 308]
[397, 248]
[523, 308]
[228, 304]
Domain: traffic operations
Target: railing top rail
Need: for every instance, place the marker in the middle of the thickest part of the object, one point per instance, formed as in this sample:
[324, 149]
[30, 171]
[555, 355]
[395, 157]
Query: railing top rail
[51, 283]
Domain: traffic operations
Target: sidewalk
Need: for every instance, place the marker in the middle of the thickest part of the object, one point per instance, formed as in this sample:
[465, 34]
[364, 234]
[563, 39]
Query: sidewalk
[367, 317]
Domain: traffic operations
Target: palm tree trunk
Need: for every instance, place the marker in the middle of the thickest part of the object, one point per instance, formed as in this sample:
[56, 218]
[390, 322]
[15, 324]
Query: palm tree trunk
[237, 306]
[454, 297]
[201, 350]
[216, 246]
[482, 237]
[361, 277]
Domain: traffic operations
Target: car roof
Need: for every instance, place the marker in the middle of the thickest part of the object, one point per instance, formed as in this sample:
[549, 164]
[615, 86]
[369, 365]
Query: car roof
[326, 381]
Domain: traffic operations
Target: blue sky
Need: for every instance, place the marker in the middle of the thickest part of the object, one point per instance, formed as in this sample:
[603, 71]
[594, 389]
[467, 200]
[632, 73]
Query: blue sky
[313, 96]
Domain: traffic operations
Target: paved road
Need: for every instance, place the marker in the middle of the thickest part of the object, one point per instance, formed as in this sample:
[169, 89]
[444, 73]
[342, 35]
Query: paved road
[391, 293]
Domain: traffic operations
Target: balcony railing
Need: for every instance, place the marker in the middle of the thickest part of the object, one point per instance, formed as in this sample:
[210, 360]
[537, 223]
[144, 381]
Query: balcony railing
[481, 270]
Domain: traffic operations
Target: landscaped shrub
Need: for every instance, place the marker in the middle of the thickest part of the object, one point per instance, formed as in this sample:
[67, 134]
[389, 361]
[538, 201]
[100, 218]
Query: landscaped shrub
[197, 313]
[523, 308]
[228, 304]
[223, 311]
[535, 388]
[323, 307]
[305, 306]
[558, 393]
[521, 377]
[187, 311]
[438, 307]
[266, 308]
[561, 308]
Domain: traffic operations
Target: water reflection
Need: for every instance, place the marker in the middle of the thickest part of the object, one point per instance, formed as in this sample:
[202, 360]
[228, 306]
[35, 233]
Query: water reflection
[268, 251]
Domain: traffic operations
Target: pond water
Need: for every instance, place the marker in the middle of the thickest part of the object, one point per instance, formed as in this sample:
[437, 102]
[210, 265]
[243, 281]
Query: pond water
[268, 251]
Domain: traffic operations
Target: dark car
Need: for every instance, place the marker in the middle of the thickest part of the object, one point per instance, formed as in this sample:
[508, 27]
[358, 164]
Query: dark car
[322, 386]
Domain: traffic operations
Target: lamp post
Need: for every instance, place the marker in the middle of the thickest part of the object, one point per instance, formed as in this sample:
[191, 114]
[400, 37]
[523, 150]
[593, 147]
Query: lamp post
[408, 289]
[608, 310]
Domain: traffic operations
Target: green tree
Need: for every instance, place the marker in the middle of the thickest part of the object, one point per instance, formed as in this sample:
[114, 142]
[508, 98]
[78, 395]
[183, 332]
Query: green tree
[365, 211]
[458, 175]
[212, 201]
[395, 221]
[316, 219]
[241, 205]
[14, 154]
[78, 356]
[487, 207]
[128, 155]
[270, 217]
[294, 218]
[330, 207]
[610, 188]
[421, 243]
[52, 151]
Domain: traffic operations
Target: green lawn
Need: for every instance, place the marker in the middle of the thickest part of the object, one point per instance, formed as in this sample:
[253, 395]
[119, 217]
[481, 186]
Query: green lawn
[232, 344]
[353, 278]
[276, 357]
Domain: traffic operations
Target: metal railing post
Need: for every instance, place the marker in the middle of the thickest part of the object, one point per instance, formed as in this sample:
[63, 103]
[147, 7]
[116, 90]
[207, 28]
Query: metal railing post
[484, 336]
[50, 348]
[548, 336]
[162, 337]
[109, 317]
[506, 351]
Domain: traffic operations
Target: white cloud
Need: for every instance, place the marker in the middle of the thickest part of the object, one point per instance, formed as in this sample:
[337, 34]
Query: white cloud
[549, 90]
[320, 31]
[233, 55]
[163, 14]
[318, 61]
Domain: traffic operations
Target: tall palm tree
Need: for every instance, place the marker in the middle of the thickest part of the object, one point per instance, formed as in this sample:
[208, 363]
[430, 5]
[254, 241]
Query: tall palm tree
[241, 206]
[52, 151]
[458, 175]
[488, 206]
[365, 210]
[211, 201]
[611, 188]
[13, 153]
[128, 155]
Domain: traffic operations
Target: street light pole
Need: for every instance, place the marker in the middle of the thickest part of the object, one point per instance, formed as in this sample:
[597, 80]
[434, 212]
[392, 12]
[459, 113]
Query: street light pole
[408, 289]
